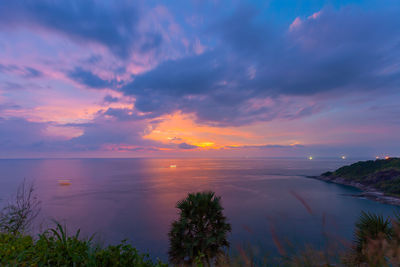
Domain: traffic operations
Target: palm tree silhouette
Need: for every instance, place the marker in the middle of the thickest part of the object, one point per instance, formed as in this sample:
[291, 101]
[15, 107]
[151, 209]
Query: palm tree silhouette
[200, 234]
[371, 229]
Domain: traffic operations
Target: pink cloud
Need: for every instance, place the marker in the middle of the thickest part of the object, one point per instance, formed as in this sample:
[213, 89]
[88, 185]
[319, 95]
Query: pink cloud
[295, 24]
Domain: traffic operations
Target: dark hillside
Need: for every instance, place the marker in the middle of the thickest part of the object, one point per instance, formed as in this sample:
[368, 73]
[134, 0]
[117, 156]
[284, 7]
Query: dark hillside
[383, 174]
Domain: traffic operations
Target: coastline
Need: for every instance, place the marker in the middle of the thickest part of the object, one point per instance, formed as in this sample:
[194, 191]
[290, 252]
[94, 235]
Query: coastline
[367, 191]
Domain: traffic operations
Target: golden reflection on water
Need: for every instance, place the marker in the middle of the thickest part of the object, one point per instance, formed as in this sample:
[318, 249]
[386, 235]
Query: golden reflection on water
[64, 182]
[100, 194]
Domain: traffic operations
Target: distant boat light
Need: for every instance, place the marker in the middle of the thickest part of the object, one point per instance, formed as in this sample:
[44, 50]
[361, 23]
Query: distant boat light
[343, 157]
[310, 158]
[377, 157]
[64, 182]
[172, 166]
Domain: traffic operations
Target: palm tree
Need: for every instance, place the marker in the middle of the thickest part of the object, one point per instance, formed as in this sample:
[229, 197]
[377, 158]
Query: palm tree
[201, 231]
[371, 233]
[369, 227]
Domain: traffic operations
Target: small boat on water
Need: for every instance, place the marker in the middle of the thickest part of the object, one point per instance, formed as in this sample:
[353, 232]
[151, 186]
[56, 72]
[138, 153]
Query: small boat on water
[172, 166]
[64, 182]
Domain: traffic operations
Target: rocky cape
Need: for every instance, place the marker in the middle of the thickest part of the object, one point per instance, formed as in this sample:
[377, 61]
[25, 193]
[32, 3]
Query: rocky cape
[378, 180]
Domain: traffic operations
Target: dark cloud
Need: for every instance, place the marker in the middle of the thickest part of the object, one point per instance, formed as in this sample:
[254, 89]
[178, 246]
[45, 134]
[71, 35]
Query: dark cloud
[32, 73]
[10, 86]
[126, 114]
[138, 149]
[90, 79]
[8, 106]
[8, 68]
[267, 147]
[242, 32]
[110, 99]
[194, 84]
[112, 24]
[103, 132]
[305, 111]
[335, 51]
[190, 75]
[186, 146]
[121, 114]
[26, 72]
[175, 138]
[93, 59]
[19, 134]
[152, 40]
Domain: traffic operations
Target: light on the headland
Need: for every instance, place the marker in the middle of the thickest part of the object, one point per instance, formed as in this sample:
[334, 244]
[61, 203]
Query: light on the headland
[377, 157]
[343, 157]
[172, 166]
[387, 157]
[310, 157]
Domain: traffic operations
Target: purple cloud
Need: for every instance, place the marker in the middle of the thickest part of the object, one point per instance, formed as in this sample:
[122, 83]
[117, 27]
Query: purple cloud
[20, 134]
[186, 146]
[89, 79]
[334, 51]
[234, 66]
[110, 99]
[25, 72]
[17, 134]
[111, 24]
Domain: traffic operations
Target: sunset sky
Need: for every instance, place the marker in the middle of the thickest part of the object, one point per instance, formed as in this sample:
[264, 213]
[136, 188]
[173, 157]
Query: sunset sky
[199, 78]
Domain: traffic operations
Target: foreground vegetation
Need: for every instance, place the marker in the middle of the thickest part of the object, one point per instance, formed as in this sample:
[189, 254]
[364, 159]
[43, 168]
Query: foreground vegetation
[381, 174]
[200, 234]
[198, 238]
[55, 248]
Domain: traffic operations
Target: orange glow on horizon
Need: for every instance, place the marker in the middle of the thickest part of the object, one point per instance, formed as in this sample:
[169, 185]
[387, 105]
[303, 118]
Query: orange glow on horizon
[178, 128]
[181, 128]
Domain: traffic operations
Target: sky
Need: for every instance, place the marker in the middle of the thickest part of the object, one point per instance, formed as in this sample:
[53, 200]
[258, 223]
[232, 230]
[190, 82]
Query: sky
[277, 78]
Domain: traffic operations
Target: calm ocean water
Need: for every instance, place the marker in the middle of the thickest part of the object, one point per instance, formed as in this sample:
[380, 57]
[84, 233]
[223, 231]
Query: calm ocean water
[135, 198]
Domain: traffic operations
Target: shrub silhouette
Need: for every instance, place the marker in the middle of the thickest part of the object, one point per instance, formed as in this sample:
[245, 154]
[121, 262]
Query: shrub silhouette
[18, 215]
[200, 234]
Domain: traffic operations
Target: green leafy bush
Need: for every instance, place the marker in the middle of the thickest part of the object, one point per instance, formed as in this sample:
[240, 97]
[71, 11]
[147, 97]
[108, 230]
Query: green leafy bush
[55, 248]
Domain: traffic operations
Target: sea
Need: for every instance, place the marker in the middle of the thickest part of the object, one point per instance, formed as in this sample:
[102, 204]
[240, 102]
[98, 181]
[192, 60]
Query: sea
[271, 203]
